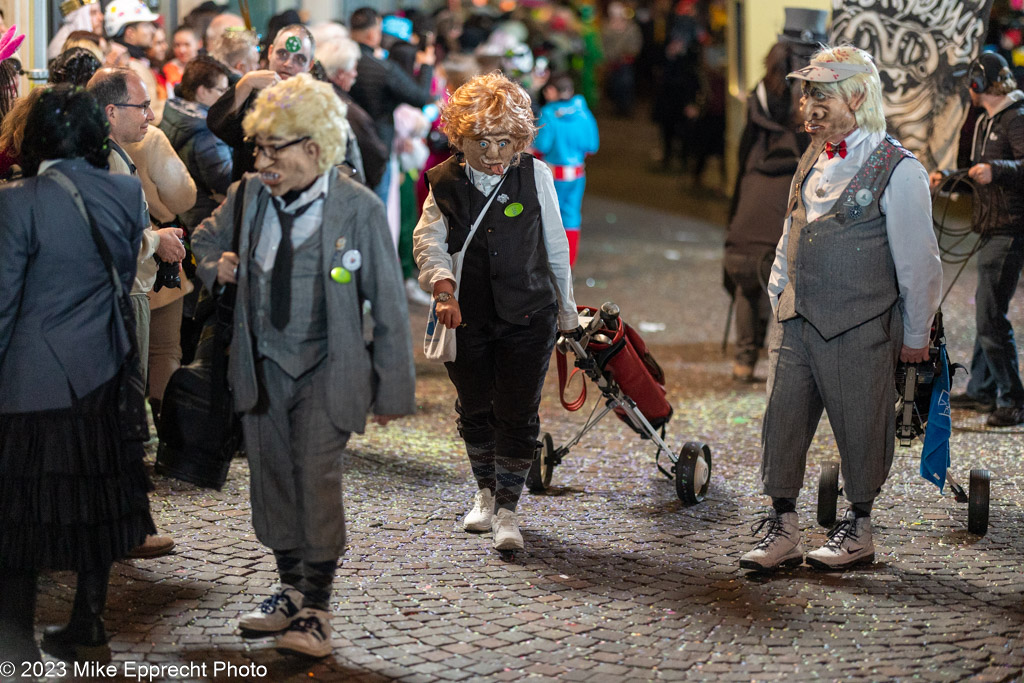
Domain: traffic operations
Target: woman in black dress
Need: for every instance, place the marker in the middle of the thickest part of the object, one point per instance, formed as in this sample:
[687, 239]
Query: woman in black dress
[72, 487]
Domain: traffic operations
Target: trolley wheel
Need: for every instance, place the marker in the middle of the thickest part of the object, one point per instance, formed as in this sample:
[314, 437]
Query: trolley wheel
[693, 472]
[828, 494]
[539, 477]
[977, 503]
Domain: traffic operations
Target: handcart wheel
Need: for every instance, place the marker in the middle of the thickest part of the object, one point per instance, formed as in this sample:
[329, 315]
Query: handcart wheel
[693, 472]
[539, 477]
[828, 494]
[977, 503]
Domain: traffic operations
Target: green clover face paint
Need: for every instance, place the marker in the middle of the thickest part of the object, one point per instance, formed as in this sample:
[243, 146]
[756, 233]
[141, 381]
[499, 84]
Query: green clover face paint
[293, 44]
[513, 209]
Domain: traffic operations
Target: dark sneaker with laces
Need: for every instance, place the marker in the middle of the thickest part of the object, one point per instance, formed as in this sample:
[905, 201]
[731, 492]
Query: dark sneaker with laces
[849, 544]
[274, 614]
[780, 546]
[308, 635]
[1006, 416]
[965, 401]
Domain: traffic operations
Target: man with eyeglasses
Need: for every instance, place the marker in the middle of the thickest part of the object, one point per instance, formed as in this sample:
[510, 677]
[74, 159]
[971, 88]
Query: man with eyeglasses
[289, 55]
[313, 247]
[855, 285]
[124, 99]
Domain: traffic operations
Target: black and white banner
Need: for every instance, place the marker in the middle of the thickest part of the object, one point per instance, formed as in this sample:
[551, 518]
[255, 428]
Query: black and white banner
[922, 49]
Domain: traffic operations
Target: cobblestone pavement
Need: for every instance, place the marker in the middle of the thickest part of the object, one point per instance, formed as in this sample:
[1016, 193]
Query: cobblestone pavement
[619, 580]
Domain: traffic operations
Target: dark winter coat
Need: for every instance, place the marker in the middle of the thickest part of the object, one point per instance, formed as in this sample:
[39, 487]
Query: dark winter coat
[383, 85]
[999, 141]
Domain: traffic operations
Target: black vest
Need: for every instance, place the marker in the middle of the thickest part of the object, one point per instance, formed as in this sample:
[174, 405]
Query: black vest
[506, 272]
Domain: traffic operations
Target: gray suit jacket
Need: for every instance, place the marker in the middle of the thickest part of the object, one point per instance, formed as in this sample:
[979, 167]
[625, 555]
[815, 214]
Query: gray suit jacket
[380, 374]
[58, 329]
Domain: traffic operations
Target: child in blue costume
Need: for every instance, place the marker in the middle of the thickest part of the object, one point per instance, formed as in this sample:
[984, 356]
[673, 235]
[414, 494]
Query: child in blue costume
[568, 133]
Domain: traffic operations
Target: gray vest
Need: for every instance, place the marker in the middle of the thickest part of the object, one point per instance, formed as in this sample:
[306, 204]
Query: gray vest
[302, 344]
[841, 272]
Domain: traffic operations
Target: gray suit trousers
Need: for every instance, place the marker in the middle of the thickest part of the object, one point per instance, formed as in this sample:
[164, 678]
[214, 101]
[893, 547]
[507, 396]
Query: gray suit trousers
[296, 460]
[851, 377]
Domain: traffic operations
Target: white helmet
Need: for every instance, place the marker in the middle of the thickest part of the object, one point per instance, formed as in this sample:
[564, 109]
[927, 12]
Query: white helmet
[120, 13]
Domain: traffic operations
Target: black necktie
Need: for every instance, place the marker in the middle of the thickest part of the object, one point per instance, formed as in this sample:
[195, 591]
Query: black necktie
[281, 277]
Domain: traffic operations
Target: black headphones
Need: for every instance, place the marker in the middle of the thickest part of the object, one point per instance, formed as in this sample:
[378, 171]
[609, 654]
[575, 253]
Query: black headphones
[977, 77]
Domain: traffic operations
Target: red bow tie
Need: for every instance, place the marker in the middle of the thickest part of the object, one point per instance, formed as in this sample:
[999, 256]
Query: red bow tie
[832, 150]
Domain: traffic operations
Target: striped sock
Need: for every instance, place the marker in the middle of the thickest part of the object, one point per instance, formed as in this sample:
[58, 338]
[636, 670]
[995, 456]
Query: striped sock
[481, 459]
[510, 475]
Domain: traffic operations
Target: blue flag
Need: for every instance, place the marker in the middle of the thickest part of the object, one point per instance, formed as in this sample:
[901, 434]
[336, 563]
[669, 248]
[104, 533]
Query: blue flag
[935, 453]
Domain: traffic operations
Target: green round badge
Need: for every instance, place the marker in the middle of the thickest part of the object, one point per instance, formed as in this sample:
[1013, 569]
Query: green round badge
[513, 209]
[341, 275]
[293, 44]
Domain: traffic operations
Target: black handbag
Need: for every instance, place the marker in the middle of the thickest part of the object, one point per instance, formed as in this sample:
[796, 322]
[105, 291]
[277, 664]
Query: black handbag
[131, 394]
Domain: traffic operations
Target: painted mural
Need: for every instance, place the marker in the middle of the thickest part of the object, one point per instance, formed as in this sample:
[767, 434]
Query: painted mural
[922, 49]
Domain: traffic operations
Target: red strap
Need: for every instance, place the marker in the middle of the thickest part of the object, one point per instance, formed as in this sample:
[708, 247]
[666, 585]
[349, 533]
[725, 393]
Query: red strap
[562, 364]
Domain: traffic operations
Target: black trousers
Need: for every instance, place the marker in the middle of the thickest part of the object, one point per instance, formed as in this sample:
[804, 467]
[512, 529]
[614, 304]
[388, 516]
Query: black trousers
[498, 372]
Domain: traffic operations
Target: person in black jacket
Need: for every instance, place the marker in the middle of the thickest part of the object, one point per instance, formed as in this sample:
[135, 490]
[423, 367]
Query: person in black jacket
[382, 84]
[997, 155]
[770, 149]
[291, 54]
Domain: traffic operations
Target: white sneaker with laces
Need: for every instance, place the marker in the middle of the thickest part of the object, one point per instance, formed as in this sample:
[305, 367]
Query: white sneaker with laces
[275, 613]
[780, 546]
[506, 531]
[309, 634]
[849, 543]
[479, 518]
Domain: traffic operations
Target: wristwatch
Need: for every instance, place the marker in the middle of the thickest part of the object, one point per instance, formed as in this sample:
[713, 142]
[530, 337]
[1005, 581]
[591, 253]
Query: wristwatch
[443, 297]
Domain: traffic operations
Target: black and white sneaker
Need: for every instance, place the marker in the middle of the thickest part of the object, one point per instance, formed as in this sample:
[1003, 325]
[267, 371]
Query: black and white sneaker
[308, 635]
[849, 544]
[780, 546]
[274, 614]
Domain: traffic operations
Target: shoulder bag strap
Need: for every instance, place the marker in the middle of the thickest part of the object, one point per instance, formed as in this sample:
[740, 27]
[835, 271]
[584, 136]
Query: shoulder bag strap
[472, 230]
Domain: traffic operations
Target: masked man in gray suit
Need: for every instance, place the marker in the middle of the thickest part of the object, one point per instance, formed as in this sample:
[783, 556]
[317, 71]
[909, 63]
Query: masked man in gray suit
[855, 286]
[313, 248]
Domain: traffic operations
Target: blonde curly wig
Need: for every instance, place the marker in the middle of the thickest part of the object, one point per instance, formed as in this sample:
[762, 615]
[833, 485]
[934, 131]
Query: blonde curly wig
[489, 104]
[871, 115]
[299, 107]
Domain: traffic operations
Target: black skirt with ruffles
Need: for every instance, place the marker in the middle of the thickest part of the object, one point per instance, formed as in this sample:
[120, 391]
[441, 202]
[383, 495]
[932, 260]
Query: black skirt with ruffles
[72, 493]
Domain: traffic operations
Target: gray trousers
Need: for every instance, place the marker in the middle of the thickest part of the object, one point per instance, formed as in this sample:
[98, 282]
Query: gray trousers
[296, 460]
[851, 377]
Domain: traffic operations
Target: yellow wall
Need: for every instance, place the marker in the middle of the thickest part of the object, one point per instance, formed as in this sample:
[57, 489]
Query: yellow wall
[754, 26]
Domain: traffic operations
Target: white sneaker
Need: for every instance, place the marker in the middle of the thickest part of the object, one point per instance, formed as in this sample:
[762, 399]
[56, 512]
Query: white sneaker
[780, 546]
[479, 518]
[414, 294]
[849, 543]
[506, 531]
[275, 613]
[309, 634]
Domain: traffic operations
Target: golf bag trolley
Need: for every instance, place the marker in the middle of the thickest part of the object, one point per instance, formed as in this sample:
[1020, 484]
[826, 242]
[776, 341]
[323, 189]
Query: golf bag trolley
[632, 385]
[915, 385]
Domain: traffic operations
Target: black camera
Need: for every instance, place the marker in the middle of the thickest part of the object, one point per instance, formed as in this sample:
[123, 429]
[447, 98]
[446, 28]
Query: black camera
[167, 275]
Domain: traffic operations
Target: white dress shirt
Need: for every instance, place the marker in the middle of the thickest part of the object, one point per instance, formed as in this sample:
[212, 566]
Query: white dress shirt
[302, 229]
[907, 205]
[430, 240]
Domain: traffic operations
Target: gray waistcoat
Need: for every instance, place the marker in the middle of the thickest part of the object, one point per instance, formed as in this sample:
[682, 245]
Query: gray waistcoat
[841, 272]
[303, 342]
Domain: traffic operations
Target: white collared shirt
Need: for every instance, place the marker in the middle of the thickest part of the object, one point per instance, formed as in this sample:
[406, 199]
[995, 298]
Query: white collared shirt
[305, 226]
[430, 240]
[907, 205]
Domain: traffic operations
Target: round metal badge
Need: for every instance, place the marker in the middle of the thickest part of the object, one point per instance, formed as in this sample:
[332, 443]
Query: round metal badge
[864, 197]
[341, 276]
[513, 209]
[352, 259]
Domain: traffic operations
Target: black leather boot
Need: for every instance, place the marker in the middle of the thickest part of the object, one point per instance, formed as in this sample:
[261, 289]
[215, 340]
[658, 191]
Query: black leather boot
[17, 617]
[83, 639]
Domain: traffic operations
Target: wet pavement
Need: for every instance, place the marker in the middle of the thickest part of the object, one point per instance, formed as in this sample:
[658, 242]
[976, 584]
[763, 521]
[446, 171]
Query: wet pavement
[619, 580]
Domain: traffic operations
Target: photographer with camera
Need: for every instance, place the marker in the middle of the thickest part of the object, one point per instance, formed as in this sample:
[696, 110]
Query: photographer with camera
[997, 158]
[125, 101]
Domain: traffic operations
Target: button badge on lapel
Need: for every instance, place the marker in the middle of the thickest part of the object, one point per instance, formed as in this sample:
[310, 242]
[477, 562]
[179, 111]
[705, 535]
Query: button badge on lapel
[513, 209]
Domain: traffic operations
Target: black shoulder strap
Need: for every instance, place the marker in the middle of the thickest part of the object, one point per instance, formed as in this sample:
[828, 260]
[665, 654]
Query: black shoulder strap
[236, 237]
[124, 156]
